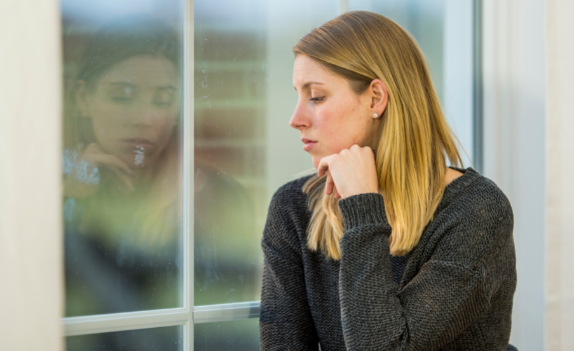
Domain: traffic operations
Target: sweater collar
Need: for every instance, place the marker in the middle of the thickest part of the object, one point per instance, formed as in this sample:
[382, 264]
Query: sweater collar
[469, 175]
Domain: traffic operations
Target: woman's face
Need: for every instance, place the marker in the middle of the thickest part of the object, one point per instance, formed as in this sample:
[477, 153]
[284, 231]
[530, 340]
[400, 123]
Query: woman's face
[329, 114]
[134, 108]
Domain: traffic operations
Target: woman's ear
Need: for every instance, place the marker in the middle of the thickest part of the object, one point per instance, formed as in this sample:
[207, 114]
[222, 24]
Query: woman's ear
[81, 95]
[379, 96]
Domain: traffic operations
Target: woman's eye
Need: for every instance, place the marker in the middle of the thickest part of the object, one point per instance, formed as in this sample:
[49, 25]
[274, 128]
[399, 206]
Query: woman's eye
[164, 97]
[122, 94]
[318, 98]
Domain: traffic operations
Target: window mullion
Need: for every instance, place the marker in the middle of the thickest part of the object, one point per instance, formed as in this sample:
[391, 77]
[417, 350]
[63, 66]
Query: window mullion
[188, 164]
[114, 322]
[226, 312]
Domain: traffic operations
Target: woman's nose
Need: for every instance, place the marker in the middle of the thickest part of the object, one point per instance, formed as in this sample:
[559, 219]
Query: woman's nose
[301, 117]
[142, 116]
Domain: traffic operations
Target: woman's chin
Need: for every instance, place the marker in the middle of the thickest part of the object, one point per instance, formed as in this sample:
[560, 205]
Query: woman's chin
[135, 161]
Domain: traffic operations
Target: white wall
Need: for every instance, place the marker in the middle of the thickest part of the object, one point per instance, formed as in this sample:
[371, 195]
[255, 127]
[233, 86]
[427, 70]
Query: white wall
[514, 145]
[31, 270]
[559, 168]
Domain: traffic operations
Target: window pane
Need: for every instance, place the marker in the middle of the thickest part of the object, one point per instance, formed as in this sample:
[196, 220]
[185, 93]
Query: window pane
[227, 336]
[121, 156]
[164, 339]
[244, 147]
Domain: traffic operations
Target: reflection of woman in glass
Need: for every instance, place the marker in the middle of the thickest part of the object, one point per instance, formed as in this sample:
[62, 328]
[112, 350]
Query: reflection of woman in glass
[121, 171]
[121, 179]
[123, 186]
[392, 249]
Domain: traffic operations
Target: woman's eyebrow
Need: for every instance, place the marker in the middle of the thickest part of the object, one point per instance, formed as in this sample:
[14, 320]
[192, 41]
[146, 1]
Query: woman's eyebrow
[306, 85]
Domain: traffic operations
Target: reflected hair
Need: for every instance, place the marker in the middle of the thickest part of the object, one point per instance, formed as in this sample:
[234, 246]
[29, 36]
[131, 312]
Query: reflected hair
[125, 37]
[414, 140]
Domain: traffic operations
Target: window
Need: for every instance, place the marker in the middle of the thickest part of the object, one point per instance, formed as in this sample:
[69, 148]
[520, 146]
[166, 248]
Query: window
[175, 138]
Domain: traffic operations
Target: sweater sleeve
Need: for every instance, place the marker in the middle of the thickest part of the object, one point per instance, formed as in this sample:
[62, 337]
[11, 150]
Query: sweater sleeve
[449, 293]
[285, 321]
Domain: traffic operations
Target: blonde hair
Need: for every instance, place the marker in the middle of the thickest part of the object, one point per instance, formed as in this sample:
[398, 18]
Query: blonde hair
[414, 138]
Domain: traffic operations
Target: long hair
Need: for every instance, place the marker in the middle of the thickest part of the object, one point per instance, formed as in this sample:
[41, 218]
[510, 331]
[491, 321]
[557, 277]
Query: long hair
[414, 139]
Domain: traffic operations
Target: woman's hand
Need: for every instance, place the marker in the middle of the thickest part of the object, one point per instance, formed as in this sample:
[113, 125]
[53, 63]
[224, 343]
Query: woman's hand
[350, 172]
[85, 172]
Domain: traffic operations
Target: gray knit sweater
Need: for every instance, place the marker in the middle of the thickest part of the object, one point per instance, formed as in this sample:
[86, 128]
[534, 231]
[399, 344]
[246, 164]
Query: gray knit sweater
[455, 293]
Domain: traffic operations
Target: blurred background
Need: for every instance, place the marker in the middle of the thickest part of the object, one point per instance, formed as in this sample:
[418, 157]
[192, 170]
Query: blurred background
[131, 115]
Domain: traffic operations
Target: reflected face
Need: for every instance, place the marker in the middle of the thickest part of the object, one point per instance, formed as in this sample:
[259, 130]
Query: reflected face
[134, 108]
[329, 114]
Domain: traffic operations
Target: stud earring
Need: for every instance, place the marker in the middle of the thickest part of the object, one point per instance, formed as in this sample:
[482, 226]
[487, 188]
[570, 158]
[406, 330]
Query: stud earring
[375, 115]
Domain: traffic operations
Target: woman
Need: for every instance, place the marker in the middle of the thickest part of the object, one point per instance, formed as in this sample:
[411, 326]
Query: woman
[392, 249]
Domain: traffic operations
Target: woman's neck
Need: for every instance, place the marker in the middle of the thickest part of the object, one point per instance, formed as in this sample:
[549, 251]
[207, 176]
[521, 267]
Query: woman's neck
[451, 175]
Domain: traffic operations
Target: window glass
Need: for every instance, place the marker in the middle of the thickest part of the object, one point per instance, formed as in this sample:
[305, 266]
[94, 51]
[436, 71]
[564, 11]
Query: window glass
[227, 336]
[121, 156]
[164, 339]
[244, 147]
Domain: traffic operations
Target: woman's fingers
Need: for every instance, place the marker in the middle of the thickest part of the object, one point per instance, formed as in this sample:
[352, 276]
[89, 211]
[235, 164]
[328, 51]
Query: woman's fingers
[96, 156]
[329, 185]
[352, 171]
[324, 168]
[83, 181]
[337, 195]
[100, 159]
[323, 165]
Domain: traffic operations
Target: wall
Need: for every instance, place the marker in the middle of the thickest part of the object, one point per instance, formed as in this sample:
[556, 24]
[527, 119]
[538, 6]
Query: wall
[514, 144]
[30, 202]
[559, 167]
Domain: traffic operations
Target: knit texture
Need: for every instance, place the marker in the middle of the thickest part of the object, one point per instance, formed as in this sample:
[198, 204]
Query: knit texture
[452, 292]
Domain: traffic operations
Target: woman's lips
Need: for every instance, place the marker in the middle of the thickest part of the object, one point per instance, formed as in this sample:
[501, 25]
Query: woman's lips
[308, 144]
[137, 143]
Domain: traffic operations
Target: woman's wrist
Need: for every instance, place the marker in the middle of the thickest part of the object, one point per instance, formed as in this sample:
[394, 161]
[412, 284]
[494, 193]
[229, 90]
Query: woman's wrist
[363, 209]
